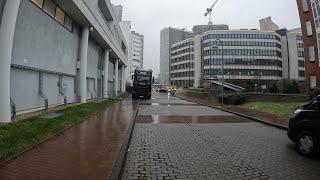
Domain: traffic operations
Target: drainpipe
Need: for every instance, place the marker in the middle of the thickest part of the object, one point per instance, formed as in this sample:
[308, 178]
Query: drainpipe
[13, 108]
[65, 99]
[7, 29]
[41, 94]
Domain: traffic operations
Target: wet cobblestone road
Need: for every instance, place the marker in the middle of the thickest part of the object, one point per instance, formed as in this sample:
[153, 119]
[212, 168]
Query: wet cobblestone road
[212, 149]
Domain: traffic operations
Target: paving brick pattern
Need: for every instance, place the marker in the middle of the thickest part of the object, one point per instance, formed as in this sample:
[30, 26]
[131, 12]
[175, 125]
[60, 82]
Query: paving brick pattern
[215, 151]
[86, 151]
[234, 150]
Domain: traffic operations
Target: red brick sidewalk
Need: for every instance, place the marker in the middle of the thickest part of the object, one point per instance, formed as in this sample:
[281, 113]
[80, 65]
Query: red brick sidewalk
[86, 151]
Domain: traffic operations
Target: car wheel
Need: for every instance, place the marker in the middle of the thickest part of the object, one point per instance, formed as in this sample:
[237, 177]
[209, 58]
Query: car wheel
[307, 144]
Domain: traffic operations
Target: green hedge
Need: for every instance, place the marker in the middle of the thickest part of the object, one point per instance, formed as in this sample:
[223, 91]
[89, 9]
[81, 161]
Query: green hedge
[233, 98]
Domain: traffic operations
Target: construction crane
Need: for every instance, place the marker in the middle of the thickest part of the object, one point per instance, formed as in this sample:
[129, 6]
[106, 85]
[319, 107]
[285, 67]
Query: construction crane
[209, 12]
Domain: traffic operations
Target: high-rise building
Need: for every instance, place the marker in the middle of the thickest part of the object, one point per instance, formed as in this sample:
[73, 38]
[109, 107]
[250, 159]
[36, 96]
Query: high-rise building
[135, 43]
[200, 29]
[267, 24]
[169, 36]
[136, 51]
[309, 18]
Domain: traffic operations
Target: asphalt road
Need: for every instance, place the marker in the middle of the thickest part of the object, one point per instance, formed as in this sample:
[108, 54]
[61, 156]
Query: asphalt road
[176, 139]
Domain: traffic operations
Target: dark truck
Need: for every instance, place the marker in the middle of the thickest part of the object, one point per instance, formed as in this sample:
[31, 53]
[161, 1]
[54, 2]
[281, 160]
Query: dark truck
[142, 81]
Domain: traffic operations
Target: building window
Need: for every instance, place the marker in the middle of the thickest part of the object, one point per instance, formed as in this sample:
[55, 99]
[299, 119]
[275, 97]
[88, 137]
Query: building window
[313, 82]
[309, 28]
[60, 15]
[49, 7]
[311, 54]
[304, 5]
[38, 2]
[68, 23]
[55, 12]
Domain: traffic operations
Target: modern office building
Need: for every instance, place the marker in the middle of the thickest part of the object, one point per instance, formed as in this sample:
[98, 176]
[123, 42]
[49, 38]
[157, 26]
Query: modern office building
[136, 52]
[248, 55]
[309, 18]
[168, 37]
[293, 62]
[200, 29]
[267, 24]
[55, 52]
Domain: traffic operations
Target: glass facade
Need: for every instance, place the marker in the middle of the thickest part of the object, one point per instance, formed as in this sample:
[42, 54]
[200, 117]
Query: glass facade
[247, 55]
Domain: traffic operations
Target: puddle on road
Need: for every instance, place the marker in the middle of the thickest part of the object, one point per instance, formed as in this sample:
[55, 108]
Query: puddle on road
[157, 119]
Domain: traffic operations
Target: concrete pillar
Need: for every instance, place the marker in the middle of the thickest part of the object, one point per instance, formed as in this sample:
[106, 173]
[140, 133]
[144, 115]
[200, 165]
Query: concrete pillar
[197, 61]
[116, 83]
[124, 79]
[7, 28]
[83, 63]
[106, 72]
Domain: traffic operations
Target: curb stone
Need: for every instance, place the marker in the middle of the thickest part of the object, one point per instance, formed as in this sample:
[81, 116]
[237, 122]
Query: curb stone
[122, 155]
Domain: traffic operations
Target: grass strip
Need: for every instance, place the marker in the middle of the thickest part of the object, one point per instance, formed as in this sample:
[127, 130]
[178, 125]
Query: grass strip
[17, 136]
[283, 109]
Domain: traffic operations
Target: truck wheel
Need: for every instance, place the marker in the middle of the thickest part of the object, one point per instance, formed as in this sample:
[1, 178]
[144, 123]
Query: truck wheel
[308, 144]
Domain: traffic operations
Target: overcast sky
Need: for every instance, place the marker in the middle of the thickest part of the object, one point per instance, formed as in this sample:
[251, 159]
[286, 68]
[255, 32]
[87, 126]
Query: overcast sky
[148, 17]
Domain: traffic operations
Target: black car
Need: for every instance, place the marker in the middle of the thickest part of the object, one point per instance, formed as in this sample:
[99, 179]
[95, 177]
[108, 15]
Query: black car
[304, 128]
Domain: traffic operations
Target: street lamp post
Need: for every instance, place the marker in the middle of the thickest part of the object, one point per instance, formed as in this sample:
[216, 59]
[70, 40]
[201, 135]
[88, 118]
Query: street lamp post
[222, 67]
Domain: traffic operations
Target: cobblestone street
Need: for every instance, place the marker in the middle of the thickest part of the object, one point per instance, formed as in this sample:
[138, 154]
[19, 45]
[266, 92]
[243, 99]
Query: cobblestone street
[211, 149]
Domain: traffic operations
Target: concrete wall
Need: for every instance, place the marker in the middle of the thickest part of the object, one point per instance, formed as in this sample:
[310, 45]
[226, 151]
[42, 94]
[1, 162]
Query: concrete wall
[24, 89]
[42, 44]
[1, 8]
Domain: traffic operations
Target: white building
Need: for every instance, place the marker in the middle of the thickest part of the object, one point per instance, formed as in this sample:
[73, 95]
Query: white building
[136, 52]
[293, 62]
[168, 37]
[58, 52]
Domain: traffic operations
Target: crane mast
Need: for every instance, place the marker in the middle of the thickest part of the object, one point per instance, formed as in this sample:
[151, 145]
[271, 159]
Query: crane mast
[210, 10]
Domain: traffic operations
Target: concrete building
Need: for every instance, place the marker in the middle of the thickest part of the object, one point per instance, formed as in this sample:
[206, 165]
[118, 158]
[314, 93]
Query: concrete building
[249, 55]
[309, 17]
[293, 62]
[135, 42]
[136, 52]
[56, 52]
[267, 24]
[168, 37]
[200, 29]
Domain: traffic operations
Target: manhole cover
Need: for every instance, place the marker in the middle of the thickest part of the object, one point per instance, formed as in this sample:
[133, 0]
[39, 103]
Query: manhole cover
[51, 115]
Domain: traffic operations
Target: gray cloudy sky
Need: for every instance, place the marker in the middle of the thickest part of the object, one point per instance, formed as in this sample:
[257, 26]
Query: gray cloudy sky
[148, 17]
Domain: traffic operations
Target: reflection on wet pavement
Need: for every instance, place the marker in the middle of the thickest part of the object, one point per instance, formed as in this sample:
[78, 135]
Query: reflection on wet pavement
[156, 119]
[86, 151]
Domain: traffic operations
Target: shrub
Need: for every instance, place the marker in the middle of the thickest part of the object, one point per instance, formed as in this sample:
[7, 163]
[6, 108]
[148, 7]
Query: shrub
[274, 88]
[233, 98]
[288, 86]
